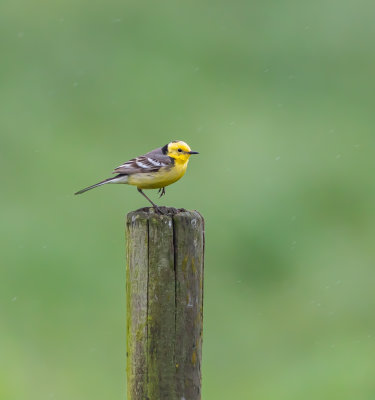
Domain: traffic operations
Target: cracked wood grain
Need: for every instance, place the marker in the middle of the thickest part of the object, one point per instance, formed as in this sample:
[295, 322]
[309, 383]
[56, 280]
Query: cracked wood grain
[165, 258]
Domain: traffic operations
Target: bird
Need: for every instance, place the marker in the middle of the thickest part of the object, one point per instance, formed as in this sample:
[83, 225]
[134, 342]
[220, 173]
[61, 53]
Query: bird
[154, 170]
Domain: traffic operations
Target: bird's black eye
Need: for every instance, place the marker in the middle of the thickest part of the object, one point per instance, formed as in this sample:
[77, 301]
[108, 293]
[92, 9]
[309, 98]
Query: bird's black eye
[179, 150]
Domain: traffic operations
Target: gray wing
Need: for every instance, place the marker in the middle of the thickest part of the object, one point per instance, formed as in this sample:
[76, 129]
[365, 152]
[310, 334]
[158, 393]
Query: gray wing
[150, 162]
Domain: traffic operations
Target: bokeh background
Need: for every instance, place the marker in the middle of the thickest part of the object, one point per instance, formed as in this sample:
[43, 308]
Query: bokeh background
[278, 97]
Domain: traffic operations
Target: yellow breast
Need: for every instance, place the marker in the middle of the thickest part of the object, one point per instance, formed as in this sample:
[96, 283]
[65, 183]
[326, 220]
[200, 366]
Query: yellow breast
[155, 180]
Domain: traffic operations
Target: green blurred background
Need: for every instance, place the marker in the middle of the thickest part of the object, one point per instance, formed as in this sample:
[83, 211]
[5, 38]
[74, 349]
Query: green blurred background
[278, 98]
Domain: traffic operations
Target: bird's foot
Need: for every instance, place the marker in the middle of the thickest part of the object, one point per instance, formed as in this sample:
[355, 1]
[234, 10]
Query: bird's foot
[161, 210]
[161, 191]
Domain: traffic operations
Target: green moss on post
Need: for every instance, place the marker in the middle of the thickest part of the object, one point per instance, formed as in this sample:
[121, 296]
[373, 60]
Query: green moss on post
[165, 256]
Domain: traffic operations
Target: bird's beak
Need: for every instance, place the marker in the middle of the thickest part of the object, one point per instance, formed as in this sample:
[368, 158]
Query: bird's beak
[193, 152]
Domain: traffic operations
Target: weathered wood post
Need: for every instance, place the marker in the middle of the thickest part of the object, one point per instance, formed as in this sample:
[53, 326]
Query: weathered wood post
[164, 282]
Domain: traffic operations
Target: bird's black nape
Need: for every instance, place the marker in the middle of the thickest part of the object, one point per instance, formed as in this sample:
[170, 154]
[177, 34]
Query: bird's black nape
[164, 149]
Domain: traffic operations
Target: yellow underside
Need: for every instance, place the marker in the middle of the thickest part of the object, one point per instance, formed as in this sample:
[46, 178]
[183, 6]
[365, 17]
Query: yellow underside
[155, 180]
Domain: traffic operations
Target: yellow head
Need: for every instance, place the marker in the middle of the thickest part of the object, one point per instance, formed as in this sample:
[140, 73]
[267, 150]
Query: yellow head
[178, 150]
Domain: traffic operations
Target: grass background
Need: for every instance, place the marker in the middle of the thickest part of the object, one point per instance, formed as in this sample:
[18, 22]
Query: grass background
[278, 98]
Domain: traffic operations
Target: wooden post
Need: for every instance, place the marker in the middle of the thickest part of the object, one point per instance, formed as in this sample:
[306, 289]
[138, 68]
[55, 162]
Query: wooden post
[164, 282]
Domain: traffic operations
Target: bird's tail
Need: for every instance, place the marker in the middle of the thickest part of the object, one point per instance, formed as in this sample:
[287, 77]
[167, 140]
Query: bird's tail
[115, 179]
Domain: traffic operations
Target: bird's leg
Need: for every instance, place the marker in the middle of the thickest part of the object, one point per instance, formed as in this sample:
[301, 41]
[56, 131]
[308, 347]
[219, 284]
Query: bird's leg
[161, 191]
[153, 204]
